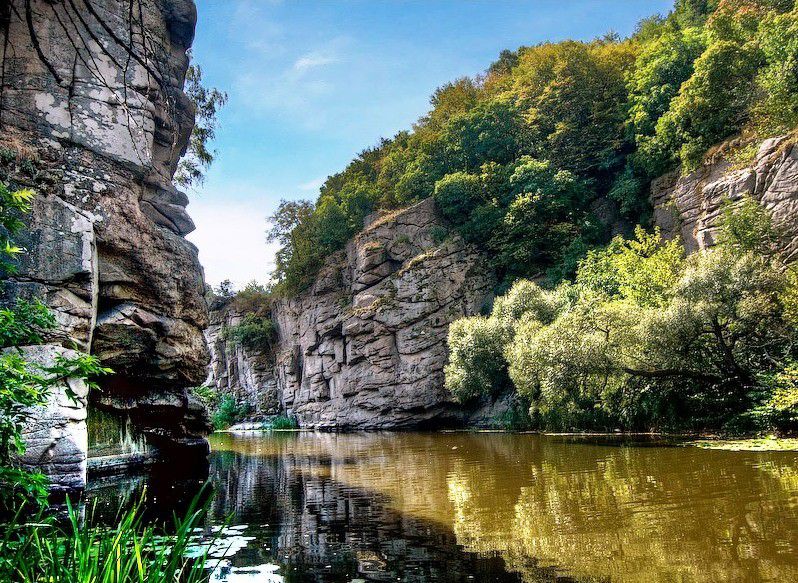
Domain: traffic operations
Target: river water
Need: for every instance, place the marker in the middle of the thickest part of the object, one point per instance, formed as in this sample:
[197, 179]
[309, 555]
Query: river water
[467, 507]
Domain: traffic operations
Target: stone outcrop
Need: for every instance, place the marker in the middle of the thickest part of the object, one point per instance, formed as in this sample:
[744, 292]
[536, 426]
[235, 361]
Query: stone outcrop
[94, 119]
[365, 347]
[690, 206]
[246, 375]
[55, 435]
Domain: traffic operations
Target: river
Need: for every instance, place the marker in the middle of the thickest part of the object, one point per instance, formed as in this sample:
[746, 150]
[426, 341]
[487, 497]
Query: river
[467, 507]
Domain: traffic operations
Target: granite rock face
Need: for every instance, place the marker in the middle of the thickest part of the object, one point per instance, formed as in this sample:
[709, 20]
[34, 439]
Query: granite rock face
[94, 119]
[691, 206]
[245, 374]
[55, 436]
[365, 347]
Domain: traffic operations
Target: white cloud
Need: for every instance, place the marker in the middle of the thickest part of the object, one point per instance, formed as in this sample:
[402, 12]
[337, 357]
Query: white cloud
[298, 87]
[231, 238]
[312, 60]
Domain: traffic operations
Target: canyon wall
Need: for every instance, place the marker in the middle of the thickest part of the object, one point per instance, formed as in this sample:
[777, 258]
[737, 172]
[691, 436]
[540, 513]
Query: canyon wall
[93, 118]
[365, 346]
[246, 375]
[691, 206]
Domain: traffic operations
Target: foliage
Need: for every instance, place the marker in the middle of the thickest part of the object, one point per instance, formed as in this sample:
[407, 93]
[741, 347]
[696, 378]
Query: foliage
[782, 406]
[284, 422]
[132, 550]
[476, 345]
[207, 103]
[24, 323]
[229, 412]
[747, 227]
[13, 204]
[475, 364]
[25, 385]
[647, 337]
[600, 118]
[207, 395]
[253, 332]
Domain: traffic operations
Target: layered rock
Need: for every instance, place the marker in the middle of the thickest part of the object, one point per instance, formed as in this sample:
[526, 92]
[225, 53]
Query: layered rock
[691, 206]
[245, 374]
[365, 347]
[94, 119]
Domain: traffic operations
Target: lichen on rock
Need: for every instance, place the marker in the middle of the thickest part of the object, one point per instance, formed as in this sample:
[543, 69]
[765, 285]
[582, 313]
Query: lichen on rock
[95, 120]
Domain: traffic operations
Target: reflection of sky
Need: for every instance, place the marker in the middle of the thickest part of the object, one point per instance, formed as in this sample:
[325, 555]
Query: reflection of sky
[267, 573]
[313, 83]
[223, 543]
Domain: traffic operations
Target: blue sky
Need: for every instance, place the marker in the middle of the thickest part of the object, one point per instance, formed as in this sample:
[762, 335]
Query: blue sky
[310, 84]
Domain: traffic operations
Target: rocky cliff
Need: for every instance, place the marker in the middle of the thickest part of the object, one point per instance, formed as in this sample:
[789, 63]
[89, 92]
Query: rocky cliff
[690, 206]
[365, 346]
[247, 375]
[94, 119]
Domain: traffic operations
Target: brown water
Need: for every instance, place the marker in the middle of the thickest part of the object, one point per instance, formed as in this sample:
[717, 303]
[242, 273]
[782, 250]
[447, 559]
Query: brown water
[500, 507]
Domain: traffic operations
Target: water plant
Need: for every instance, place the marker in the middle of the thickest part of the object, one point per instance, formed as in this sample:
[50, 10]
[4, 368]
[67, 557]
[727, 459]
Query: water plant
[71, 550]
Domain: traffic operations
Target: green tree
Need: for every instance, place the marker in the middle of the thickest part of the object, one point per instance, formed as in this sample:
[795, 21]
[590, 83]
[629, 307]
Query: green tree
[207, 102]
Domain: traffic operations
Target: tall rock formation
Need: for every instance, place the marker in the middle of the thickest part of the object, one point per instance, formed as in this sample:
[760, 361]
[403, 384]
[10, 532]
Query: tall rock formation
[246, 375]
[365, 346]
[93, 118]
[690, 206]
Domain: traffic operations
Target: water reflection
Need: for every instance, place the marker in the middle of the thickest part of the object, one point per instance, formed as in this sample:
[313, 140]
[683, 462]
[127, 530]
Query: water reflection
[499, 507]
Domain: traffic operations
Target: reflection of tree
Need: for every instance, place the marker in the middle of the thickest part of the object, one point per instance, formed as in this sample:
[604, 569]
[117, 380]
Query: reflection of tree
[633, 515]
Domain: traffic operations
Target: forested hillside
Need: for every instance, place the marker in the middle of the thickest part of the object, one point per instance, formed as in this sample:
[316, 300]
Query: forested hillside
[532, 159]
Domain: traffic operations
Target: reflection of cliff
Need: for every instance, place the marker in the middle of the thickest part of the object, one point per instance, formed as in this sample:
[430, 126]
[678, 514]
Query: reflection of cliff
[323, 529]
[544, 507]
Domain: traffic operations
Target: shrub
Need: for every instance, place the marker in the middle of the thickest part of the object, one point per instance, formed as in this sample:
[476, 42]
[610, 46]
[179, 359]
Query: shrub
[457, 195]
[283, 422]
[253, 332]
[647, 337]
[476, 366]
[229, 412]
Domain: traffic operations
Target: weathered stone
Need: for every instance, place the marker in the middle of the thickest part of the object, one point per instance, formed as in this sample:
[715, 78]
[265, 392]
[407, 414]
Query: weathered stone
[691, 206]
[369, 351]
[365, 346]
[246, 375]
[96, 128]
[55, 437]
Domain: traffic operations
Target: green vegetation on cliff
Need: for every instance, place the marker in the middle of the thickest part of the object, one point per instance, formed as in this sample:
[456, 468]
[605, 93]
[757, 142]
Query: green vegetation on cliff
[531, 160]
[646, 337]
[25, 385]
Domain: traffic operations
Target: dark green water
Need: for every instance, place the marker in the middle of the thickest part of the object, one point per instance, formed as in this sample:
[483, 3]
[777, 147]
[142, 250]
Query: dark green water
[493, 507]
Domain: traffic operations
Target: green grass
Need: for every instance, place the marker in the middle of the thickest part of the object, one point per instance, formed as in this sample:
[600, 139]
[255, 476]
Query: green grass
[132, 551]
[283, 422]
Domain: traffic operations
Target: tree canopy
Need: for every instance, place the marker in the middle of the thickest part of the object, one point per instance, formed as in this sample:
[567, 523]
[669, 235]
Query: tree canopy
[517, 157]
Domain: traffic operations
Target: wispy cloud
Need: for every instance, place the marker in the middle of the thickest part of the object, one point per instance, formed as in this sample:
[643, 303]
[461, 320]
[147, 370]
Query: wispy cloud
[299, 87]
[313, 60]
